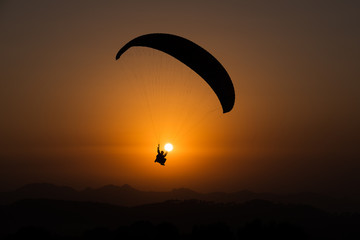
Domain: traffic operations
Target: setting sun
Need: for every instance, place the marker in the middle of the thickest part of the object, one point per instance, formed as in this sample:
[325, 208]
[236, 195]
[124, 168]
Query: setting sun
[168, 147]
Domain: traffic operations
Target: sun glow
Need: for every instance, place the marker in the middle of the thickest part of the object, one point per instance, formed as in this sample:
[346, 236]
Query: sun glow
[168, 147]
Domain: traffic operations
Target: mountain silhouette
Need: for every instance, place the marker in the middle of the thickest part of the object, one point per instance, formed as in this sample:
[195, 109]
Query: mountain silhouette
[176, 219]
[128, 196]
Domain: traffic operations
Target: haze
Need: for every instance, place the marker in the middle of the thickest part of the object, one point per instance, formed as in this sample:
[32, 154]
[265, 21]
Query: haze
[69, 114]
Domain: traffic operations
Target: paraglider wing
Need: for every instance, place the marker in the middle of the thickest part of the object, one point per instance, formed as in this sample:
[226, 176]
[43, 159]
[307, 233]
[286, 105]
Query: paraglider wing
[195, 57]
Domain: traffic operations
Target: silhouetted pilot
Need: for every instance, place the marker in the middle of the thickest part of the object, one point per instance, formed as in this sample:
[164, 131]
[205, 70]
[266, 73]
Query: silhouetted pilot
[160, 157]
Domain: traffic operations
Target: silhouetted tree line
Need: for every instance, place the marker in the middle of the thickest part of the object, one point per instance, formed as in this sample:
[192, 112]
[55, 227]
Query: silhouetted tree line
[147, 230]
[58, 220]
[256, 229]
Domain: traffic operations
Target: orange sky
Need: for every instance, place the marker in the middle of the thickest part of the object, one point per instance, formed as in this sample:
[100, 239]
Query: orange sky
[71, 114]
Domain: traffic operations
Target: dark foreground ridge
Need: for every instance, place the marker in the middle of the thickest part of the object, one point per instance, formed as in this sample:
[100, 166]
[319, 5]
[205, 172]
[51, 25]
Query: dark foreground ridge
[128, 196]
[189, 219]
[46, 211]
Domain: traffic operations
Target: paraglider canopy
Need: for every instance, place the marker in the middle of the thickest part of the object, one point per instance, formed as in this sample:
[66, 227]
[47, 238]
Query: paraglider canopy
[193, 56]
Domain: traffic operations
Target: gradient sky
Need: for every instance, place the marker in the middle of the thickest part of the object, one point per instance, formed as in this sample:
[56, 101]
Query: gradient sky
[72, 115]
